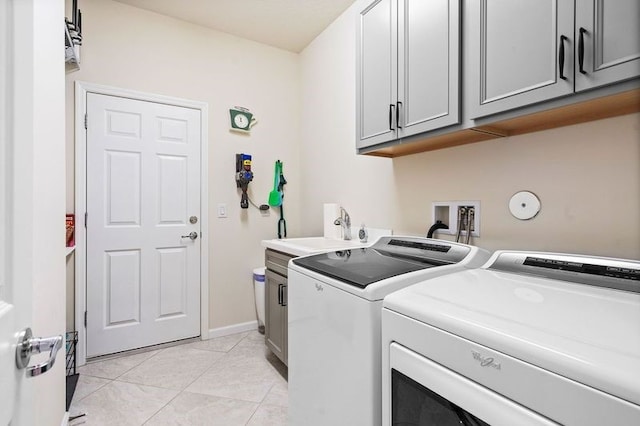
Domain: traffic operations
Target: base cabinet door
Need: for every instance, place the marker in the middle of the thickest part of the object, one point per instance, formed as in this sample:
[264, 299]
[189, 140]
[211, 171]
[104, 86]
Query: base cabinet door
[607, 38]
[517, 53]
[276, 314]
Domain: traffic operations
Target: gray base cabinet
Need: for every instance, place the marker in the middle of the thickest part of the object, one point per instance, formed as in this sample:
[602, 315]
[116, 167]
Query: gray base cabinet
[408, 69]
[276, 315]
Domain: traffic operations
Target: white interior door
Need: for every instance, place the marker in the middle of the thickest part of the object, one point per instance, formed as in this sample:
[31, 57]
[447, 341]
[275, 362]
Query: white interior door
[31, 262]
[143, 200]
[13, 312]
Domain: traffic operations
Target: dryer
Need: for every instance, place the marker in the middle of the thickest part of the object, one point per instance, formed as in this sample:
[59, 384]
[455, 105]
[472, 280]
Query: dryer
[528, 339]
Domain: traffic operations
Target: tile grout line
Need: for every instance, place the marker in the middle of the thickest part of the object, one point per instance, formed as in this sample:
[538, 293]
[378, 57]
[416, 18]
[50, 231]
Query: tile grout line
[260, 404]
[223, 354]
[180, 392]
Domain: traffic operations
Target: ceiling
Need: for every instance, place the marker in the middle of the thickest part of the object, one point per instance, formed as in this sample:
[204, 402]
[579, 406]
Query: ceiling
[286, 24]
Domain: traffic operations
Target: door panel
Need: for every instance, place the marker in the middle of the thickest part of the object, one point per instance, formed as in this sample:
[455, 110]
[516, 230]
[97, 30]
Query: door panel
[172, 191]
[533, 43]
[514, 52]
[122, 301]
[123, 192]
[173, 281]
[610, 40]
[377, 73]
[143, 183]
[428, 76]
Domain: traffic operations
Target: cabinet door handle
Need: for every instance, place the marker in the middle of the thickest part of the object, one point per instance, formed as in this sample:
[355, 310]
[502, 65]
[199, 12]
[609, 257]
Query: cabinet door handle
[279, 294]
[561, 57]
[398, 115]
[391, 107]
[581, 50]
[285, 295]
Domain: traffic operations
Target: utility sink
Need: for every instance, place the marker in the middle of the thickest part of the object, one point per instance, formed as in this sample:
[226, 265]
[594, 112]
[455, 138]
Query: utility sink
[310, 245]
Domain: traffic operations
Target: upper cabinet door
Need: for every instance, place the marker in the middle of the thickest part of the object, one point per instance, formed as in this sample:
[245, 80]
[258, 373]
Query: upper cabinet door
[519, 52]
[377, 69]
[428, 65]
[607, 42]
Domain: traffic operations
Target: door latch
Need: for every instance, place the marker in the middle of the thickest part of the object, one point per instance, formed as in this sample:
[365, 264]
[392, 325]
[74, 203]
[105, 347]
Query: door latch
[29, 345]
[193, 235]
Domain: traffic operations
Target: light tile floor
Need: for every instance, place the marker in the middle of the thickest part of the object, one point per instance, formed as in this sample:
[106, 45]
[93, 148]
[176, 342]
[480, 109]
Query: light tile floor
[231, 380]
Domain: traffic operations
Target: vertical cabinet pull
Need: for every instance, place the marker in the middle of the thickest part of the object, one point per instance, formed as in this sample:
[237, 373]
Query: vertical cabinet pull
[561, 57]
[398, 115]
[581, 50]
[279, 294]
[391, 107]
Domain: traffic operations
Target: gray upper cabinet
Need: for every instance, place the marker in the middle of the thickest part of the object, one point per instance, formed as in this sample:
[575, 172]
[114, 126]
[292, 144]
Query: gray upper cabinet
[517, 52]
[408, 78]
[607, 38]
[377, 73]
[520, 52]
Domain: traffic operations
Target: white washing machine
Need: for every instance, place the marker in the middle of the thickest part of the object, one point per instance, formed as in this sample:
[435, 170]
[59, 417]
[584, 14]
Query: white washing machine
[335, 303]
[528, 339]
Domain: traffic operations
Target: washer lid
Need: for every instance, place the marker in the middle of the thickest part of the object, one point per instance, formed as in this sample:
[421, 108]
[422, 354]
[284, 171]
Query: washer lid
[587, 333]
[388, 257]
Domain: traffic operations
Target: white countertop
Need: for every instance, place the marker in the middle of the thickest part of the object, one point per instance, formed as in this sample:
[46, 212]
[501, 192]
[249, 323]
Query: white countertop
[311, 245]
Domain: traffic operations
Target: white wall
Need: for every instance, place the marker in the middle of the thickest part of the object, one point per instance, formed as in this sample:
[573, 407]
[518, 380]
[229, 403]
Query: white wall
[132, 48]
[587, 176]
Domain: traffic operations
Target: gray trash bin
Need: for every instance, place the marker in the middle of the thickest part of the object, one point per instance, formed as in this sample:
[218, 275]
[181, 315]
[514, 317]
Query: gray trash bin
[258, 288]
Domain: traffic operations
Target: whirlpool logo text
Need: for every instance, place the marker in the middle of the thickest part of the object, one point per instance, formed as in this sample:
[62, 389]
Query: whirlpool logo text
[486, 361]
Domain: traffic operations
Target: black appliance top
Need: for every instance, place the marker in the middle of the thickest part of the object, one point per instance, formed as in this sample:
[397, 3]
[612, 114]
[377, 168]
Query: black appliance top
[389, 257]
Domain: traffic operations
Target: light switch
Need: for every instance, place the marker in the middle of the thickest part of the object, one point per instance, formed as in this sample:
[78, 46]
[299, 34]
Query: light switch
[222, 210]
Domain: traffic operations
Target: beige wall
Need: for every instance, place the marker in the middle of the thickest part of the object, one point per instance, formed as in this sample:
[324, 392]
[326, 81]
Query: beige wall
[331, 171]
[131, 48]
[587, 176]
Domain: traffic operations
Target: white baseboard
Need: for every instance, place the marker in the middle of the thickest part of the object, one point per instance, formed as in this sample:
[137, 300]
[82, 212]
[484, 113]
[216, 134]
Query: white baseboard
[232, 329]
[65, 419]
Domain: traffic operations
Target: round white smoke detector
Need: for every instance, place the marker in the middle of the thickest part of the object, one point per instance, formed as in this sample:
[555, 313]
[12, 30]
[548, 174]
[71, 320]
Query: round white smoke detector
[524, 205]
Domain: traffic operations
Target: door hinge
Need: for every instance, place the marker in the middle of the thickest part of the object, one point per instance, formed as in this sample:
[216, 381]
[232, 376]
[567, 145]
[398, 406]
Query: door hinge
[85, 319]
[85, 122]
[85, 219]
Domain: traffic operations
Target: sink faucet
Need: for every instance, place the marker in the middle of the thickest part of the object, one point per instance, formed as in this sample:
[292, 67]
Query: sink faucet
[345, 223]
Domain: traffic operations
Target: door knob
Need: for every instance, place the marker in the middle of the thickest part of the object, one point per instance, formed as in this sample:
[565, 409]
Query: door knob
[29, 345]
[193, 235]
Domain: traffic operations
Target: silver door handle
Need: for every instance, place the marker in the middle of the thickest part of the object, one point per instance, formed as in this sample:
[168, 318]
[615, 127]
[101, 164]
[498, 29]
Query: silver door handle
[193, 235]
[29, 345]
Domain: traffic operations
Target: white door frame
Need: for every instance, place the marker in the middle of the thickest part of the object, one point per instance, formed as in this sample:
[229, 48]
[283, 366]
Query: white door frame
[81, 90]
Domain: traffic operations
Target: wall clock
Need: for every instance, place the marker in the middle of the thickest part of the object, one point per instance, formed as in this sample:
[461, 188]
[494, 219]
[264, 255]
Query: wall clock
[241, 119]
